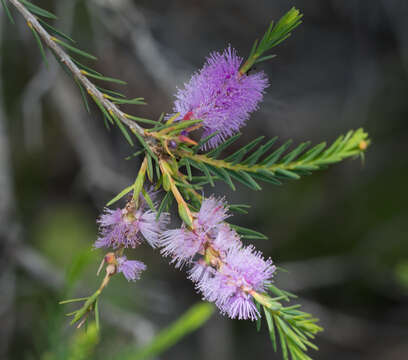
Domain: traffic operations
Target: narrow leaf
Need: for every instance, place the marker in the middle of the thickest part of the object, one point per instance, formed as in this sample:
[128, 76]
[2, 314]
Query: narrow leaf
[39, 43]
[271, 327]
[37, 10]
[215, 152]
[120, 195]
[238, 155]
[103, 78]
[52, 30]
[253, 158]
[74, 49]
[6, 9]
[245, 232]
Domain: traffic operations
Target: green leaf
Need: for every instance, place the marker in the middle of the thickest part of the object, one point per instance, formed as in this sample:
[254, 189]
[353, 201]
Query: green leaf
[204, 141]
[72, 300]
[148, 199]
[123, 129]
[182, 210]
[121, 195]
[215, 152]
[164, 204]
[52, 30]
[203, 168]
[83, 95]
[110, 92]
[287, 174]
[282, 341]
[266, 176]
[103, 110]
[83, 67]
[135, 101]
[147, 147]
[141, 120]
[253, 48]
[271, 327]
[244, 179]
[149, 168]
[259, 320]
[240, 208]
[74, 49]
[237, 156]
[222, 174]
[313, 152]
[97, 323]
[103, 78]
[139, 182]
[179, 126]
[248, 233]
[272, 158]
[273, 36]
[37, 10]
[141, 151]
[40, 45]
[264, 58]
[250, 180]
[252, 159]
[295, 153]
[188, 168]
[7, 11]
[290, 334]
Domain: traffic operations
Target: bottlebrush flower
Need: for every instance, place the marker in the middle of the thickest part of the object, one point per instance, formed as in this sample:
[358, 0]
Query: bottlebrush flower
[125, 227]
[208, 228]
[221, 96]
[212, 212]
[181, 244]
[131, 269]
[225, 272]
[244, 270]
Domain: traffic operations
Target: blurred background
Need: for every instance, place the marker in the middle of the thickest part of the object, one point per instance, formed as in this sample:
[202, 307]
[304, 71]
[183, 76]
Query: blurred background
[341, 233]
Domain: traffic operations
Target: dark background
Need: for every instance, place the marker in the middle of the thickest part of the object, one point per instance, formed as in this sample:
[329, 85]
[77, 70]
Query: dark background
[341, 233]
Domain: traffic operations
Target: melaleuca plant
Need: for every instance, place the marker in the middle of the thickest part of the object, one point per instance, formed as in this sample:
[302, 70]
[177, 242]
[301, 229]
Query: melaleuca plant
[208, 113]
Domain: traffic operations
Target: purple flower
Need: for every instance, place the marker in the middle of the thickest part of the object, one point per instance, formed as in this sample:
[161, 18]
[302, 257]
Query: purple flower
[200, 271]
[226, 240]
[244, 270]
[220, 96]
[181, 244]
[212, 212]
[131, 269]
[125, 227]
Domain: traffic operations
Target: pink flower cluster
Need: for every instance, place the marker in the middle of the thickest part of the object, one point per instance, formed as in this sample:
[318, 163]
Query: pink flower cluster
[225, 271]
[221, 96]
[127, 228]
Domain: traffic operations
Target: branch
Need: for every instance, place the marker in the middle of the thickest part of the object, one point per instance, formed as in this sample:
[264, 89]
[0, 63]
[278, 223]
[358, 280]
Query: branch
[78, 73]
[244, 166]
[40, 268]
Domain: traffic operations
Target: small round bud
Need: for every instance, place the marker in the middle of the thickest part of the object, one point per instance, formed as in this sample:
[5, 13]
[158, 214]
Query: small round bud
[363, 145]
[110, 258]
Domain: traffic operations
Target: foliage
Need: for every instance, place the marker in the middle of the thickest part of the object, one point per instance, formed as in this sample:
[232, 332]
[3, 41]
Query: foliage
[166, 148]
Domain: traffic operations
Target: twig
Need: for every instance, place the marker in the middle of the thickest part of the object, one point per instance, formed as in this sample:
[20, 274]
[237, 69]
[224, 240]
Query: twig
[40, 84]
[40, 268]
[73, 68]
